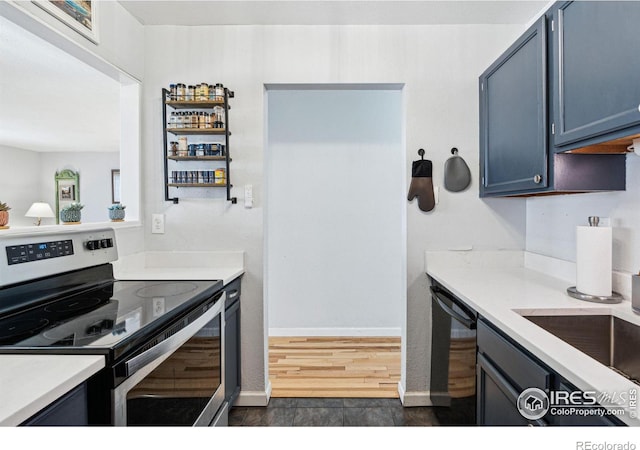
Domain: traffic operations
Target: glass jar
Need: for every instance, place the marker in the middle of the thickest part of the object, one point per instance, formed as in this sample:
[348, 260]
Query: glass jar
[219, 117]
[204, 92]
[212, 92]
[172, 120]
[180, 91]
[201, 119]
[191, 93]
[219, 92]
[173, 148]
[183, 149]
[173, 91]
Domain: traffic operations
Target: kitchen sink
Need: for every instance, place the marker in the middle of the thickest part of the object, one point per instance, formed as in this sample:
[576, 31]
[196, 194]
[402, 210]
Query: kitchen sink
[609, 340]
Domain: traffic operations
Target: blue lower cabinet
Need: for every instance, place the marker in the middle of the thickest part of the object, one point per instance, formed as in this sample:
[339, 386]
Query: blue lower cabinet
[514, 388]
[232, 342]
[69, 410]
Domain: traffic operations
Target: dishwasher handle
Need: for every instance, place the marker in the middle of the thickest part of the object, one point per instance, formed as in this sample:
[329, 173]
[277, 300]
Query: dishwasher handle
[468, 321]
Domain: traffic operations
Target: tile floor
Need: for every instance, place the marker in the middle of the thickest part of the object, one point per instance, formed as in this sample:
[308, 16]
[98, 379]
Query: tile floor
[334, 412]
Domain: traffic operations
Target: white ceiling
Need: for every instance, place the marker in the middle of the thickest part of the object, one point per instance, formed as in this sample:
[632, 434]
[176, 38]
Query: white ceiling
[332, 12]
[50, 101]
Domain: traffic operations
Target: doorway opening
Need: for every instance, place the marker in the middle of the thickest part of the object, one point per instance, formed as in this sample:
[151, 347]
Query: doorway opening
[335, 239]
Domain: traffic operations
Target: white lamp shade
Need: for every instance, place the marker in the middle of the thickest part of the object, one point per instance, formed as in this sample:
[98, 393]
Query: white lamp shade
[40, 210]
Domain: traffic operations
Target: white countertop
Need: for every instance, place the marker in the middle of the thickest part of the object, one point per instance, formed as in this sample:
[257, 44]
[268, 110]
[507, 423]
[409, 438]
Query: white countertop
[499, 286]
[225, 266]
[29, 383]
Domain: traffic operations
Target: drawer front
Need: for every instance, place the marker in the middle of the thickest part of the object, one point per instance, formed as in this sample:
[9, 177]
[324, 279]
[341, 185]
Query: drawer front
[519, 368]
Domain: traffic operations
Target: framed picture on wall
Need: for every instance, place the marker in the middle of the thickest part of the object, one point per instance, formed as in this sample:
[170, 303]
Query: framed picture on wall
[67, 189]
[67, 192]
[77, 14]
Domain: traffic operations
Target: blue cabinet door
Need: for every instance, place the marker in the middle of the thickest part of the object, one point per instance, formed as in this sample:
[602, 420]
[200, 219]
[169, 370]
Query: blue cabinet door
[513, 118]
[595, 70]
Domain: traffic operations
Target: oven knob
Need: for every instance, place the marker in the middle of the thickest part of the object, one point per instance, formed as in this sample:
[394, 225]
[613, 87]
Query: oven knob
[109, 242]
[91, 245]
[104, 243]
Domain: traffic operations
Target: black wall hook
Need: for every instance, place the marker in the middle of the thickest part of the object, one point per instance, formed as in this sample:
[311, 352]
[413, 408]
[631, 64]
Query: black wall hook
[454, 151]
[421, 153]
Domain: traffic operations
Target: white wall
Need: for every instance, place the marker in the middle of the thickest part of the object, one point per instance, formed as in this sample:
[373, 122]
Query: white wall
[552, 221]
[120, 35]
[94, 169]
[119, 51]
[439, 66]
[20, 183]
[335, 209]
[31, 177]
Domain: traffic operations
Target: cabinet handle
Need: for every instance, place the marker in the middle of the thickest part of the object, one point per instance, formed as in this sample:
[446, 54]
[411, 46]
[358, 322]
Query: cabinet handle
[537, 179]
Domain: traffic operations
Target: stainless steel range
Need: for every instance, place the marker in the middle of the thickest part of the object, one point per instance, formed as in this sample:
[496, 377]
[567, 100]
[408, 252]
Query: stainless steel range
[163, 341]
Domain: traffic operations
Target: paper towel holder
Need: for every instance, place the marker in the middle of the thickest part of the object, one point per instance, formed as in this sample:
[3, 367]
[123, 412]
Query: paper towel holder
[615, 297]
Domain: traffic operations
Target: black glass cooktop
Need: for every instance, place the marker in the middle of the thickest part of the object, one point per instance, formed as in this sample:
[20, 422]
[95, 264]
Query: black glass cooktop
[103, 318]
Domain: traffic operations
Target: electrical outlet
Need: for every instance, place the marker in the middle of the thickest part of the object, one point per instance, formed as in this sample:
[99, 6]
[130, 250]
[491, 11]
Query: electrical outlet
[157, 224]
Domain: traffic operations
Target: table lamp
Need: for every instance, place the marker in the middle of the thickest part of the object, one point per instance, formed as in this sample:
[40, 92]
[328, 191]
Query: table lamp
[39, 210]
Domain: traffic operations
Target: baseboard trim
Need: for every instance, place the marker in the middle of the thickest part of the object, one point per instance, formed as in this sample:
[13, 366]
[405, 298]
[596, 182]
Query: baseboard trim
[344, 332]
[254, 398]
[411, 399]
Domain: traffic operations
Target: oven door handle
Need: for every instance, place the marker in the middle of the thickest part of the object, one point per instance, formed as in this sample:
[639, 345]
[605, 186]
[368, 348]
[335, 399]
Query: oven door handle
[169, 345]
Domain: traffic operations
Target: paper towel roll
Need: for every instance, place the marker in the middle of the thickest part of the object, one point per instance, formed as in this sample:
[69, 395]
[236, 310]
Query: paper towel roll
[593, 260]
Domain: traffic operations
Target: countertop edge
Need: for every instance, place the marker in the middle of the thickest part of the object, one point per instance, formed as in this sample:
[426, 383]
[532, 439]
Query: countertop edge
[18, 414]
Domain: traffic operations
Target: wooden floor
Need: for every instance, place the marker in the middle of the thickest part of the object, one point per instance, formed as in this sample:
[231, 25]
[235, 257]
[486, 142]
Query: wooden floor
[355, 367]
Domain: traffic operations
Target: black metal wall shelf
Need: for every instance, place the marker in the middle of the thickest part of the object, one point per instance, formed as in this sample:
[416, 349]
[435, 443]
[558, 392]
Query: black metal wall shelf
[196, 104]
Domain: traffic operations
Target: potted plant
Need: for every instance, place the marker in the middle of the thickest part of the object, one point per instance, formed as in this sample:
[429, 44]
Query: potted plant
[72, 213]
[4, 215]
[116, 212]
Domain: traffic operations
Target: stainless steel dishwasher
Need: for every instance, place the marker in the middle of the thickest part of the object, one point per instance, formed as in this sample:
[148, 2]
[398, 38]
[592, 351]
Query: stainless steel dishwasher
[453, 358]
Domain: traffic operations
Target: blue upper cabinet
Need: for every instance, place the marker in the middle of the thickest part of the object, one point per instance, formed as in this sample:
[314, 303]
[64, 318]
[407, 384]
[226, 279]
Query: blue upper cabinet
[595, 72]
[513, 118]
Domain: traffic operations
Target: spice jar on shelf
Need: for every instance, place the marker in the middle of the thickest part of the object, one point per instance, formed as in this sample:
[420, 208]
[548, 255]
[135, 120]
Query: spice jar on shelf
[219, 176]
[219, 92]
[204, 92]
[173, 148]
[182, 146]
[180, 91]
[172, 120]
[219, 117]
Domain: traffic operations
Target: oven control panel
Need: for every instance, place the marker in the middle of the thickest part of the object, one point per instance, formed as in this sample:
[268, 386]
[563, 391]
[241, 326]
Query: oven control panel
[18, 254]
[51, 253]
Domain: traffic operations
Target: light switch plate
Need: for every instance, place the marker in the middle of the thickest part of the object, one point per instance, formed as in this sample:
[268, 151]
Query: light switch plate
[248, 196]
[157, 223]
